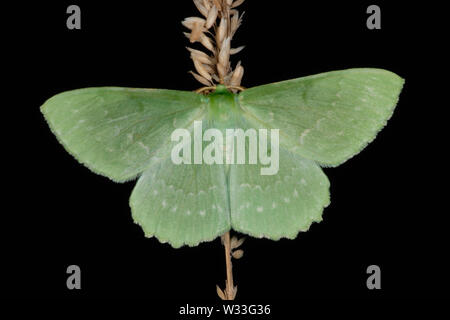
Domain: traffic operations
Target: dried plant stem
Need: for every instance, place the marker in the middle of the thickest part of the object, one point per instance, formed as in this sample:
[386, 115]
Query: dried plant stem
[231, 251]
[229, 288]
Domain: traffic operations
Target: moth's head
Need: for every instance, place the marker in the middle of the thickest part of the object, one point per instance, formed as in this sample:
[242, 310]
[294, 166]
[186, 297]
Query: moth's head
[222, 104]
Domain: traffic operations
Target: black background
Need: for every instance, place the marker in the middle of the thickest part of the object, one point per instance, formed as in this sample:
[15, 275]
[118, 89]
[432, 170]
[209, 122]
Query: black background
[385, 209]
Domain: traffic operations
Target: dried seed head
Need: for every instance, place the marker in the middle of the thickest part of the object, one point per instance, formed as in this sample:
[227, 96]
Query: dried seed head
[215, 32]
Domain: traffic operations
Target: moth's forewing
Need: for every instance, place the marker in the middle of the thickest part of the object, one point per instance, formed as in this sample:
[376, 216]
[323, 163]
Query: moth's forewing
[115, 131]
[328, 117]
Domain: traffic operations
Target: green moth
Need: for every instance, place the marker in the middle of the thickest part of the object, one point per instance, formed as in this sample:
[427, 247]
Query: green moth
[125, 133]
[225, 157]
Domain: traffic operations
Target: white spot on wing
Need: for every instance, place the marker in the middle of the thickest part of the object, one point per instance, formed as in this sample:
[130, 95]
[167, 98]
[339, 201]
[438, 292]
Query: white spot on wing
[202, 213]
[260, 209]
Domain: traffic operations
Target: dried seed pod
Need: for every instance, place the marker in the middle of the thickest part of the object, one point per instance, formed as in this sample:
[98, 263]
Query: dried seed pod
[192, 21]
[206, 42]
[221, 31]
[201, 7]
[216, 79]
[237, 76]
[237, 3]
[200, 56]
[207, 4]
[238, 254]
[234, 292]
[200, 79]
[222, 72]
[236, 243]
[218, 5]
[234, 21]
[224, 54]
[208, 69]
[220, 293]
[212, 16]
[197, 32]
[236, 50]
[201, 70]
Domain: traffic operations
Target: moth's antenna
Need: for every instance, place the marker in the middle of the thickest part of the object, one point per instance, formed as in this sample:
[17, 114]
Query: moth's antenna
[215, 31]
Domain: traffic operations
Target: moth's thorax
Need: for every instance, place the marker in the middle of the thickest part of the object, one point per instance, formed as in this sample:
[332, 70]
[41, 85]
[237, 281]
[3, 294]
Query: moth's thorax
[222, 104]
